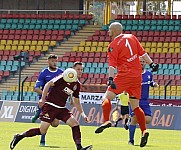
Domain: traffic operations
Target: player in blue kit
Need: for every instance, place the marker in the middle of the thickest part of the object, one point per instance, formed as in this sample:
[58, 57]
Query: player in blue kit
[45, 76]
[147, 81]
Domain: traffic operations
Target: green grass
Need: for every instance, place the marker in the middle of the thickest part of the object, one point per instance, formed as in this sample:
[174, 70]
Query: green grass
[111, 139]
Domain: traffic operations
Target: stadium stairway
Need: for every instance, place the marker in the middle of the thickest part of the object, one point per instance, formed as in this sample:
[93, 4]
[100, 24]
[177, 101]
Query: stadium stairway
[65, 46]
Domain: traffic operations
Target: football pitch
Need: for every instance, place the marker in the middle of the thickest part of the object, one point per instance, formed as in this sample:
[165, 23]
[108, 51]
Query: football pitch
[111, 139]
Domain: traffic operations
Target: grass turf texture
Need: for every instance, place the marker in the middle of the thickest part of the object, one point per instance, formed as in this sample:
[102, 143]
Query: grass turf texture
[111, 139]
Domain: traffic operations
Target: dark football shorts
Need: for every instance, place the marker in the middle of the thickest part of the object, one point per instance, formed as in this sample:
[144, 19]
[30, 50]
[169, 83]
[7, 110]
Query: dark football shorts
[49, 113]
[124, 110]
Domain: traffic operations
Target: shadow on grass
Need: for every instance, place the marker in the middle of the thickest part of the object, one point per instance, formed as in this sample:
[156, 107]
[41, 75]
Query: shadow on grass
[51, 146]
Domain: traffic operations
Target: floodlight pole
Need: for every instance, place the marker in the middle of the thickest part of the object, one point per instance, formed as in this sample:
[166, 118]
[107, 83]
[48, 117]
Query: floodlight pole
[22, 85]
[19, 78]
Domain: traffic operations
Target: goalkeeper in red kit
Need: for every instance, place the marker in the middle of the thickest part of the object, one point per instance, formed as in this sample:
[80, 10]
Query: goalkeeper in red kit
[123, 55]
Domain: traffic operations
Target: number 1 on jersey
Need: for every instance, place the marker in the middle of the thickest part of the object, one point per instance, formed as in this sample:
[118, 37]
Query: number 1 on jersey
[129, 46]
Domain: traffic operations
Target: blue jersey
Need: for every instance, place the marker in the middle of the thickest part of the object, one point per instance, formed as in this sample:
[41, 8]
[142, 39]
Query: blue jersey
[147, 81]
[45, 76]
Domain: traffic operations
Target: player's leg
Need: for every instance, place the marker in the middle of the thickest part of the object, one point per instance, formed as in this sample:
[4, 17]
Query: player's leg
[140, 116]
[132, 129]
[36, 116]
[69, 119]
[30, 133]
[106, 109]
[125, 114]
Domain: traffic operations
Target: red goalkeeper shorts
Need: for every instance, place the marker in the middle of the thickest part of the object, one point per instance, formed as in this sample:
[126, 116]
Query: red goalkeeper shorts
[132, 85]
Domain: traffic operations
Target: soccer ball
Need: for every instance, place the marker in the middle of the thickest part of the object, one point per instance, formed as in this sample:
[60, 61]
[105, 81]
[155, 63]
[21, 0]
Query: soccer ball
[70, 75]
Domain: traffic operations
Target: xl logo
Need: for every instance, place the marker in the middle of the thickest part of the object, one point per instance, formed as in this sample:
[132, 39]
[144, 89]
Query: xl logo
[7, 112]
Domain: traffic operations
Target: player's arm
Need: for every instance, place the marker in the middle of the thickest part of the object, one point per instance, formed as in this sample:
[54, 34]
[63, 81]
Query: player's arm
[39, 83]
[45, 92]
[78, 105]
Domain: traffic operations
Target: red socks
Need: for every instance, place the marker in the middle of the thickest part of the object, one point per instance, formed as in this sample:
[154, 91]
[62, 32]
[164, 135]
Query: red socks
[140, 118]
[106, 109]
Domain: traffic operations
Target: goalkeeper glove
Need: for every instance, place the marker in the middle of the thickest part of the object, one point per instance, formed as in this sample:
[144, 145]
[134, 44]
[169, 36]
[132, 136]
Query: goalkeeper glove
[111, 83]
[154, 67]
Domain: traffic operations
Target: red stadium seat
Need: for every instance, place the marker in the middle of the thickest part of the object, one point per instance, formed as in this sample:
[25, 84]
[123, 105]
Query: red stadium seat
[137, 17]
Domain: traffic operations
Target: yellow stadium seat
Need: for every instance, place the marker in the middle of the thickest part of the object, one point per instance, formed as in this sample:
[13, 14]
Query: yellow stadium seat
[21, 42]
[3, 42]
[99, 49]
[105, 49]
[20, 47]
[159, 50]
[160, 88]
[28, 42]
[173, 93]
[165, 50]
[154, 44]
[32, 47]
[87, 49]
[177, 50]
[8, 47]
[15, 42]
[93, 49]
[95, 44]
[9, 42]
[47, 43]
[178, 93]
[159, 44]
[12, 88]
[34, 42]
[2, 47]
[171, 50]
[100, 44]
[177, 45]
[152, 50]
[14, 47]
[82, 43]
[41, 43]
[27, 47]
[81, 48]
[165, 44]
[32, 84]
[52, 43]
[148, 44]
[161, 92]
[106, 44]
[151, 92]
[178, 88]
[143, 44]
[173, 88]
[156, 93]
[75, 48]
[171, 44]
[31, 89]
[27, 84]
[44, 48]
[88, 43]
[38, 48]
[168, 93]
[25, 88]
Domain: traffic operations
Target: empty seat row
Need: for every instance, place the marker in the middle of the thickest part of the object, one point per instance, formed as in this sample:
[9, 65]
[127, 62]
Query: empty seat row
[86, 54]
[39, 27]
[147, 27]
[161, 44]
[47, 16]
[11, 53]
[33, 37]
[148, 17]
[35, 32]
[24, 47]
[94, 43]
[147, 22]
[41, 22]
[89, 49]
[162, 50]
[27, 42]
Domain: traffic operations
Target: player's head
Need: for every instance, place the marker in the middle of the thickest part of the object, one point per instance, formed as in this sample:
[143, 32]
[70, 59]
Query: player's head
[78, 66]
[143, 63]
[52, 61]
[115, 29]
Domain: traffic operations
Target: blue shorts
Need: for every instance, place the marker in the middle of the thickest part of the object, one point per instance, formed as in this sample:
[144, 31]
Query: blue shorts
[146, 109]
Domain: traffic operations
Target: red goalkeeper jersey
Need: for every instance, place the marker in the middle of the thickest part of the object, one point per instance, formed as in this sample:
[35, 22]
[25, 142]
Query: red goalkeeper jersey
[123, 54]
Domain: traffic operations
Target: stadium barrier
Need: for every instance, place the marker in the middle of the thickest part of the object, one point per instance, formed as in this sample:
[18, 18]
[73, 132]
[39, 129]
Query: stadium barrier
[166, 115]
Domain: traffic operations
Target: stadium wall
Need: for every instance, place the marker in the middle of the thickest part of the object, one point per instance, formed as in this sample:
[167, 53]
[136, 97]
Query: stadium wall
[41, 5]
[164, 117]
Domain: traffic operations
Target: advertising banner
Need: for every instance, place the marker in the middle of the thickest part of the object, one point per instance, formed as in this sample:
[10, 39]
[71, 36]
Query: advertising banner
[26, 111]
[8, 111]
[164, 117]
